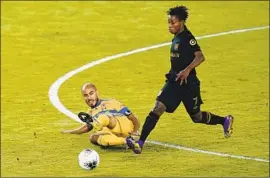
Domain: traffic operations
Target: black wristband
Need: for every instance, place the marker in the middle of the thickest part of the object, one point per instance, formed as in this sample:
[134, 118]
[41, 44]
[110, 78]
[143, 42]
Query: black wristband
[89, 126]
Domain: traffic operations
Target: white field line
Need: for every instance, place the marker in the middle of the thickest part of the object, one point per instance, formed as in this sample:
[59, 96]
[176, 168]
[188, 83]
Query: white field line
[205, 152]
[54, 98]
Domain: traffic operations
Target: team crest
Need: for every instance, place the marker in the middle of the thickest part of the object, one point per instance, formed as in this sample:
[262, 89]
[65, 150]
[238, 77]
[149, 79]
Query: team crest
[192, 42]
[176, 47]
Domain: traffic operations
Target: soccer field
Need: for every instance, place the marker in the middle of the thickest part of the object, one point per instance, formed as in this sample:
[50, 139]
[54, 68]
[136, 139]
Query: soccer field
[43, 41]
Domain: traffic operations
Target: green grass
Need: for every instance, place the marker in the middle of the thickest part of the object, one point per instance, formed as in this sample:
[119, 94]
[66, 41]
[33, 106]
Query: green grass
[41, 41]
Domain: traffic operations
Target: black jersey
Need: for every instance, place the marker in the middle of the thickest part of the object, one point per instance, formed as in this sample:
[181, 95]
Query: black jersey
[183, 47]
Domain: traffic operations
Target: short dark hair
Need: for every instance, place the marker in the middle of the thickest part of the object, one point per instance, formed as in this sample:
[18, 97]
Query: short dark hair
[181, 12]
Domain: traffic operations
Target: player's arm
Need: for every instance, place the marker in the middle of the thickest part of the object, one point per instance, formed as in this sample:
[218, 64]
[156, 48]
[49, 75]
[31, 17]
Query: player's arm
[135, 122]
[199, 58]
[125, 111]
[83, 129]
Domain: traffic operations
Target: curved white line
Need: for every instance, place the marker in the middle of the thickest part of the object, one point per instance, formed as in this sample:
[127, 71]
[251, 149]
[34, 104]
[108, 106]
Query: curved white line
[53, 92]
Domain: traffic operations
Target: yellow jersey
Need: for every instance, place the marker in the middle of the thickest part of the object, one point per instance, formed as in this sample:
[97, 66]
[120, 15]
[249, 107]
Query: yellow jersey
[107, 108]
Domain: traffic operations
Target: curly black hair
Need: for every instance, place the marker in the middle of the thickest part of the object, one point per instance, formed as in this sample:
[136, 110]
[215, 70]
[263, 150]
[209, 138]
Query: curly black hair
[181, 12]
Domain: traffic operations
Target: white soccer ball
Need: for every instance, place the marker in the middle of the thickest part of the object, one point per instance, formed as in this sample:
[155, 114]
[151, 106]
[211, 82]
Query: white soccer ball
[88, 159]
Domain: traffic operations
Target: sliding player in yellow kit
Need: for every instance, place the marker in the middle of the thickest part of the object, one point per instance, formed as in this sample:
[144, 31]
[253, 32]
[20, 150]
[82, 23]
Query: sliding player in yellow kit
[111, 120]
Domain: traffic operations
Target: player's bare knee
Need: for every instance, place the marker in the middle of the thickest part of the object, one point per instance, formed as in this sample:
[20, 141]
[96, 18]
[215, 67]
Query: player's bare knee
[159, 108]
[94, 138]
[196, 118]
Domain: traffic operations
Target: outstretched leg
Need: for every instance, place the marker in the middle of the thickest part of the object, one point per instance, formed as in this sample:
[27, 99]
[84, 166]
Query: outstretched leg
[148, 126]
[192, 101]
[212, 119]
[167, 100]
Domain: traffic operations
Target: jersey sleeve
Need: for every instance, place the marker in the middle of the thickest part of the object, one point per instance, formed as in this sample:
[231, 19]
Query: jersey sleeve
[121, 108]
[193, 44]
[125, 111]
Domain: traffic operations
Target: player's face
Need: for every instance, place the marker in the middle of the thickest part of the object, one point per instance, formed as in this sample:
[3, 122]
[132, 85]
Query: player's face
[90, 96]
[175, 25]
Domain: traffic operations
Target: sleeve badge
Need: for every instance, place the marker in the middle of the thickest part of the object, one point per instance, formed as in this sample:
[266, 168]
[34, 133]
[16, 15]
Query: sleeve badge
[192, 42]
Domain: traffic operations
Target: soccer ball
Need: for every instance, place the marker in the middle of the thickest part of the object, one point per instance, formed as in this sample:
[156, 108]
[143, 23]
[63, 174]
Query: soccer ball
[88, 159]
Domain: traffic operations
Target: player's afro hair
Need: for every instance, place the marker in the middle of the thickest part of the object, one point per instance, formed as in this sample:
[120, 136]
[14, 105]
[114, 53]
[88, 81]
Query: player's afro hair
[181, 12]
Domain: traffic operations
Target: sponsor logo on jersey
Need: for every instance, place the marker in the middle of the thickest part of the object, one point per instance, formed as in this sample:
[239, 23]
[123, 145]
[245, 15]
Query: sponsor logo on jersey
[176, 46]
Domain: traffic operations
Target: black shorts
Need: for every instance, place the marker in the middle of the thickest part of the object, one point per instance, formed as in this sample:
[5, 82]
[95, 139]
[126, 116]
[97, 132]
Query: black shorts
[173, 93]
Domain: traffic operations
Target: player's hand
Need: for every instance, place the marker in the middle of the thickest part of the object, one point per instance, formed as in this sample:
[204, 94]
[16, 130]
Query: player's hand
[182, 76]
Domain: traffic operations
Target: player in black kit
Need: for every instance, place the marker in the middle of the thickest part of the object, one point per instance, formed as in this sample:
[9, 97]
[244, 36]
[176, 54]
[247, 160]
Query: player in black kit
[182, 84]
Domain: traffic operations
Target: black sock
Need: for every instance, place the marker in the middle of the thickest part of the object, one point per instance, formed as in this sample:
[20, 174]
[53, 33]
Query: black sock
[149, 125]
[212, 119]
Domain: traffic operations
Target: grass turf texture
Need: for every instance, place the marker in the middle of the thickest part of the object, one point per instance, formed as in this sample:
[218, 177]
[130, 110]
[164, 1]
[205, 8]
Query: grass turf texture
[42, 41]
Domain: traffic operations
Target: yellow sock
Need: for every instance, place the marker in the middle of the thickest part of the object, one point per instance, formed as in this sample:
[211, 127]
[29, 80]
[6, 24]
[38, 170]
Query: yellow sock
[110, 140]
